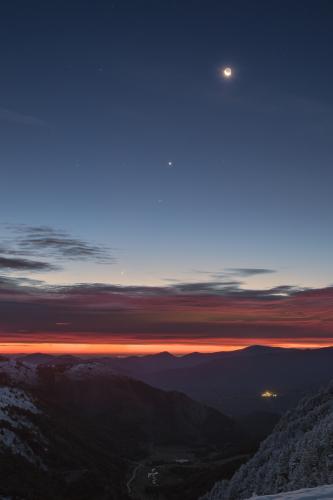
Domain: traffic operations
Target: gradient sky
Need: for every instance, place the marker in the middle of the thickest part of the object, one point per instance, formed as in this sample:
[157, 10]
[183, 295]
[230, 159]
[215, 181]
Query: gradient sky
[96, 99]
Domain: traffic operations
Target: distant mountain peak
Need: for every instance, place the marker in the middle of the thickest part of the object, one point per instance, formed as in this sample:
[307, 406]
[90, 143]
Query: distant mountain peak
[261, 348]
[164, 354]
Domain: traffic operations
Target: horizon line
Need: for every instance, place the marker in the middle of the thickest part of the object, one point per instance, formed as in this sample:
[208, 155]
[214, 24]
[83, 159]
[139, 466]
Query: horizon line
[140, 349]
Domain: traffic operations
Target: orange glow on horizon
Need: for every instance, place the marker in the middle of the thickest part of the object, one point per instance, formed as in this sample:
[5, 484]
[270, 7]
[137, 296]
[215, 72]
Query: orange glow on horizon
[179, 348]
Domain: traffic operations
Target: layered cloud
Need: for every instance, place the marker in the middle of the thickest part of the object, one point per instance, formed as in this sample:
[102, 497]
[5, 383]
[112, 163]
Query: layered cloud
[214, 310]
[235, 272]
[44, 239]
[17, 264]
[187, 312]
[249, 271]
[26, 243]
[10, 116]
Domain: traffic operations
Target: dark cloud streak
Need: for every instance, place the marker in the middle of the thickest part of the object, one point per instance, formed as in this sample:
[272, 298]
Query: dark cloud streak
[16, 264]
[241, 272]
[106, 313]
[249, 271]
[49, 243]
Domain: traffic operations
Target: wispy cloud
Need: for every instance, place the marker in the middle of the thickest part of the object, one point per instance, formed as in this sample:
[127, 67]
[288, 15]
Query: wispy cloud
[60, 244]
[14, 285]
[249, 271]
[216, 307]
[52, 244]
[10, 116]
[17, 264]
[239, 272]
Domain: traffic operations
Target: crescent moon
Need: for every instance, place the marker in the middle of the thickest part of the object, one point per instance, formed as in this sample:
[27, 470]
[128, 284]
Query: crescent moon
[227, 72]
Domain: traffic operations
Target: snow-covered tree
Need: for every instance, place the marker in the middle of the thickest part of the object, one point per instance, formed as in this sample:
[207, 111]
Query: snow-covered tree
[298, 454]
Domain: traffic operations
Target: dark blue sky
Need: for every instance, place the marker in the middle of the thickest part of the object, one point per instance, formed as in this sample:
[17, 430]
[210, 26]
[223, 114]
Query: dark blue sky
[97, 97]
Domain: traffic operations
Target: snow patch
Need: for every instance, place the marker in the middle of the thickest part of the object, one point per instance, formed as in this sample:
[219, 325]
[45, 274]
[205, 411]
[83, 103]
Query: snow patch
[318, 493]
[10, 396]
[17, 371]
[86, 370]
[12, 422]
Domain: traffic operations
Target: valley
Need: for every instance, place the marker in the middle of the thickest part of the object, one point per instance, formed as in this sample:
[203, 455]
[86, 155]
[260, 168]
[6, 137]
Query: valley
[179, 473]
[122, 436]
[89, 421]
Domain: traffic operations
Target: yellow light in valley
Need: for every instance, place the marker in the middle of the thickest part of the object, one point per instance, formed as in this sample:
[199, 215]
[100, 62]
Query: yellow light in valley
[269, 394]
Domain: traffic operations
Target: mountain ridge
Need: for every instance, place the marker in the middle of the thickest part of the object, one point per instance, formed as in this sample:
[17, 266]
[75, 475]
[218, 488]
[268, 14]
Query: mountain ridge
[92, 424]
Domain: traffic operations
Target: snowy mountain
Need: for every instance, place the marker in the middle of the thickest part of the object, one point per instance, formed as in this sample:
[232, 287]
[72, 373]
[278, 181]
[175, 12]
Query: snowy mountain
[18, 371]
[298, 454]
[76, 430]
[47, 455]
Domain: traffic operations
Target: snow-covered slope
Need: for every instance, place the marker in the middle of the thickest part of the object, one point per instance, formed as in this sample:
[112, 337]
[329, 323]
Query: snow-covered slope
[319, 493]
[18, 371]
[18, 433]
[298, 454]
[86, 370]
[26, 371]
[47, 454]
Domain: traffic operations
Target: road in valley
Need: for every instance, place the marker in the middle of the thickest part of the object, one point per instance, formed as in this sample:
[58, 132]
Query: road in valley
[132, 478]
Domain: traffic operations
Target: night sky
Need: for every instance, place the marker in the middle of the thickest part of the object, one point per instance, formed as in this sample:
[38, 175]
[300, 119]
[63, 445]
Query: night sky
[147, 202]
